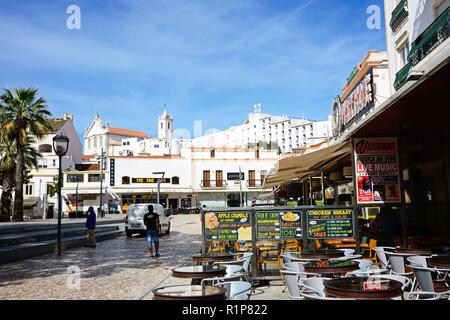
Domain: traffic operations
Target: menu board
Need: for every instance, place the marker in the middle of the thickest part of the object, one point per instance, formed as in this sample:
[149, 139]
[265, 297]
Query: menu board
[329, 223]
[227, 226]
[274, 225]
[377, 170]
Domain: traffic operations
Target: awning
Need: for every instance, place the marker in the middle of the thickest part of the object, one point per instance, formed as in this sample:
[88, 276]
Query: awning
[305, 165]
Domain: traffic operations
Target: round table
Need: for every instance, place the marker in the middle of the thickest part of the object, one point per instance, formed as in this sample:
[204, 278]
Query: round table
[213, 257]
[186, 292]
[416, 251]
[322, 254]
[331, 267]
[363, 288]
[198, 273]
[440, 262]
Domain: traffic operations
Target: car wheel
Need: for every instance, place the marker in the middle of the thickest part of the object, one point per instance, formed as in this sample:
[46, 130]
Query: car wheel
[129, 234]
[168, 229]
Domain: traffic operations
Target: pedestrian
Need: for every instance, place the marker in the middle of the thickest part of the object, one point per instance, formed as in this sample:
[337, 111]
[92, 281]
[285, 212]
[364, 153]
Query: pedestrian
[151, 221]
[90, 226]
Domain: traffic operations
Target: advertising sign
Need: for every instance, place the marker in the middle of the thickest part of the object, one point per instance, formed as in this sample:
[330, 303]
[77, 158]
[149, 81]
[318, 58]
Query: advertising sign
[275, 225]
[329, 223]
[377, 171]
[228, 226]
[150, 180]
[235, 176]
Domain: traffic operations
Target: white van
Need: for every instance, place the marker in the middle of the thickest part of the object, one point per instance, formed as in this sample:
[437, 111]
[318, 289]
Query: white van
[135, 218]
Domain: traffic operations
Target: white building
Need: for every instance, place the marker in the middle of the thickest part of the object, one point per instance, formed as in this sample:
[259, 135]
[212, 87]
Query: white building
[366, 88]
[288, 134]
[417, 33]
[36, 200]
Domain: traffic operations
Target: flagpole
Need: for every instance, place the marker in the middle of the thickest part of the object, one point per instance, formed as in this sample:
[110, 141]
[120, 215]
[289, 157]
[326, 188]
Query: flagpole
[240, 187]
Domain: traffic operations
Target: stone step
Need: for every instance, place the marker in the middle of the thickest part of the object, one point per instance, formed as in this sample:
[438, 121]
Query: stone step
[48, 234]
[33, 249]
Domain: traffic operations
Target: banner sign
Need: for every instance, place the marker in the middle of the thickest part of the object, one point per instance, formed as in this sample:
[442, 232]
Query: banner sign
[377, 171]
[329, 223]
[227, 226]
[150, 180]
[235, 176]
[275, 225]
[112, 170]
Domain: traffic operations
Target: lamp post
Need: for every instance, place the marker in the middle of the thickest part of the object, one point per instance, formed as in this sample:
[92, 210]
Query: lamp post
[101, 182]
[159, 185]
[60, 146]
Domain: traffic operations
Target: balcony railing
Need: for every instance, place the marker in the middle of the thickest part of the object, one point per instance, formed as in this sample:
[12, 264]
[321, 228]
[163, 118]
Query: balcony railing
[431, 38]
[399, 14]
[213, 184]
[254, 183]
[402, 75]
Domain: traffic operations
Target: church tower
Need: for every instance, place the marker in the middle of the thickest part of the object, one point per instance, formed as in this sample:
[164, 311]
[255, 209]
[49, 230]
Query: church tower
[165, 128]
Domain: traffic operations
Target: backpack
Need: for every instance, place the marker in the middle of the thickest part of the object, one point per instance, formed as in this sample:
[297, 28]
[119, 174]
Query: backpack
[150, 221]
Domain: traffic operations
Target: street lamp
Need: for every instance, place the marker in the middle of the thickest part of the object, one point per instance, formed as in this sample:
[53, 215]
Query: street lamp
[159, 185]
[60, 146]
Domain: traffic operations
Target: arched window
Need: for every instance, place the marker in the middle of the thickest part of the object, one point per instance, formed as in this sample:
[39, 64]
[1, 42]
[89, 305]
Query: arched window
[45, 148]
[175, 180]
[125, 180]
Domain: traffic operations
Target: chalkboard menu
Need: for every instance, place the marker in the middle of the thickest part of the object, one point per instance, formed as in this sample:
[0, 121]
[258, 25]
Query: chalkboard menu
[329, 223]
[274, 225]
[227, 226]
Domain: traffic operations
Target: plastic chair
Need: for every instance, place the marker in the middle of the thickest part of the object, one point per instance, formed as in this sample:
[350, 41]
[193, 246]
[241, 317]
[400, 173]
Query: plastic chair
[364, 264]
[217, 280]
[239, 262]
[287, 256]
[423, 277]
[423, 295]
[381, 256]
[294, 280]
[237, 290]
[347, 252]
[371, 250]
[315, 286]
[294, 266]
[419, 261]
[397, 261]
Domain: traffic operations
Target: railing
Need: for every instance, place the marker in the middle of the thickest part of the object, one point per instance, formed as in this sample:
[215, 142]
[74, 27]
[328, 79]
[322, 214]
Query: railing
[402, 76]
[254, 183]
[213, 184]
[399, 14]
[431, 38]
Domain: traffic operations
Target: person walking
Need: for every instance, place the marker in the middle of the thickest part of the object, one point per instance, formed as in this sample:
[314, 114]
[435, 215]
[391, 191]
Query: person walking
[151, 221]
[90, 226]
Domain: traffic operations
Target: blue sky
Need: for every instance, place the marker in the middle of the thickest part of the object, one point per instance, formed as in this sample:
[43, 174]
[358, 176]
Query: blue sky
[208, 60]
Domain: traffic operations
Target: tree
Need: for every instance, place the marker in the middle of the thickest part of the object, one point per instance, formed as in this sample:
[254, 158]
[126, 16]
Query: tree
[8, 154]
[22, 114]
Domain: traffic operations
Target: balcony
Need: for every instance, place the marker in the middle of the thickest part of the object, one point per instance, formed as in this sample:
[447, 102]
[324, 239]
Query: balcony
[254, 184]
[431, 38]
[402, 75]
[399, 14]
[213, 184]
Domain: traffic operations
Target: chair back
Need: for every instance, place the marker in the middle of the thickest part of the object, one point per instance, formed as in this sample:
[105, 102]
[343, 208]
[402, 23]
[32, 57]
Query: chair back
[381, 255]
[364, 264]
[294, 266]
[233, 270]
[348, 252]
[315, 286]
[397, 261]
[418, 261]
[239, 262]
[423, 277]
[248, 258]
[237, 290]
[291, 279]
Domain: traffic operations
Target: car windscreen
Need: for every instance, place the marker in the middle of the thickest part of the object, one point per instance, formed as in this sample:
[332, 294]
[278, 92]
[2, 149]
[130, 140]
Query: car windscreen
[137, 211]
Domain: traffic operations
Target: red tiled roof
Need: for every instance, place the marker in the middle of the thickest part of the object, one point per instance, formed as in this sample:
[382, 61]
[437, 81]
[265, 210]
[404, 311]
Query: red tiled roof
[125, 132]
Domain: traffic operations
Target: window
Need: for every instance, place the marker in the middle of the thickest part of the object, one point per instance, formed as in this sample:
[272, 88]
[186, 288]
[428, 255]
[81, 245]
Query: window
[162, 125]
[403, 52]
[175, 180]
[257, 154]
[42, 163]
[213, 153]
[54, 162]
[125, 180]
[29, 189]
[156, 146]
[168, 125]
[95, 177]
[45, 148]
[95, 142]
[89, 143]
[75, 178]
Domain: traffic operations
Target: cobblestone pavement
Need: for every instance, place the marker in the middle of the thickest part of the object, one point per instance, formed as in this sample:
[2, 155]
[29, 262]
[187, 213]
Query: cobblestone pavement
[117, 269]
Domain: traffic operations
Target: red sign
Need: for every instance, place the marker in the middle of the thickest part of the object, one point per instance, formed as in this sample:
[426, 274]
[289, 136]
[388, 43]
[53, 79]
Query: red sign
[377, 170]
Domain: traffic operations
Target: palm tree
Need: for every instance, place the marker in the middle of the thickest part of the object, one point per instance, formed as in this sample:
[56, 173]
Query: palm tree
[8, 154]
[22, 114]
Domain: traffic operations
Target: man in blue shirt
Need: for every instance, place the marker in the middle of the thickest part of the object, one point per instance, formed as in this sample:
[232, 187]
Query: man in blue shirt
[90, 226]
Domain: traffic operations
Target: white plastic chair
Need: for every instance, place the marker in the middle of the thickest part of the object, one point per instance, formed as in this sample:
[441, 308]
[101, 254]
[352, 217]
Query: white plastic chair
[237, 290]
[239, 262]
[217, 280]
[397, 261]
[314, 285]
[364, 264]
[419, 261]
[234, 270]
[423, 295]
[287, 256]
[381, 255]
[294, 280]
[294, 266]
[348, 252]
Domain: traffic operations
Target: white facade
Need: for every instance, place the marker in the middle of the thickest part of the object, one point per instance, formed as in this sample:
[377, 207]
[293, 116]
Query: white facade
[410, 19]
[275, 131]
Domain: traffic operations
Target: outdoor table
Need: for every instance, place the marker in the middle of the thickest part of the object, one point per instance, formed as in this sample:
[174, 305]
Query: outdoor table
[322, 254]
[189, 292]
[363, 288]
[334, 268]
[198, 273]
[440, 262]
[213, 257]
[415, 251]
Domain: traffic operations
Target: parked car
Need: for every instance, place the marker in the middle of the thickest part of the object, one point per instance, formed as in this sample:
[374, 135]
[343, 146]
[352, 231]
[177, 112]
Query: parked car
[135, 218]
